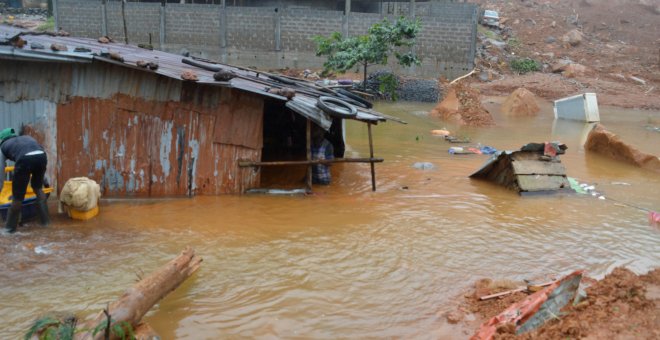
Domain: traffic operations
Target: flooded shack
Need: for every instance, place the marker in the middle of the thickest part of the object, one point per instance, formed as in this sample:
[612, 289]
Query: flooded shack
[535, 168]
[148, 123]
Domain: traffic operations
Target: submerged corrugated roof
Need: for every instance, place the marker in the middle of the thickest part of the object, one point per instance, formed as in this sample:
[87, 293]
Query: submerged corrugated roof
[172, 66]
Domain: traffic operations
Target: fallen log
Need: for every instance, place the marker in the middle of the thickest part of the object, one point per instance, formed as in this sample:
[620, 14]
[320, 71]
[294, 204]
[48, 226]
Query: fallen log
[137, 300]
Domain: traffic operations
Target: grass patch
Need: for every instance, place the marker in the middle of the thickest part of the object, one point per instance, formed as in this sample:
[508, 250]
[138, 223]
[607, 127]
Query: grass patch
[49, 25]
[526, 65]
[488, 33]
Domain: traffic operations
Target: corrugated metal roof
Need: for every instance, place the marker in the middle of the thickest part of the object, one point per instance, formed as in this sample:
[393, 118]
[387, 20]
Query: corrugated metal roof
[169, 65]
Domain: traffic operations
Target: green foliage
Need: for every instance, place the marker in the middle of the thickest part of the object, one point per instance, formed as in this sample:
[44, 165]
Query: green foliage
[514, 43]
[49, 25]
[50, 328]
[389, 84]
[40, 325]
[522, 66]
[488, 33]
[122, 330]
[382, 40]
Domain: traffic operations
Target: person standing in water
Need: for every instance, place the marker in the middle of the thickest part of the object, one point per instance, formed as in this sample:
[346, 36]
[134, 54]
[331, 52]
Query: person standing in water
[322, 149]
[29, 160]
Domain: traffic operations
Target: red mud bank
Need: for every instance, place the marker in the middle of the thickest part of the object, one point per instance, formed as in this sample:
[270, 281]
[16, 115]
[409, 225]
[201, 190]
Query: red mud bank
[462, 105]
[606, 143]
[620, 306]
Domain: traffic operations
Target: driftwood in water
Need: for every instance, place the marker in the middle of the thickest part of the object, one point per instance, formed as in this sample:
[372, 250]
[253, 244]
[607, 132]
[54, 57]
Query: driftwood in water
[139, 299]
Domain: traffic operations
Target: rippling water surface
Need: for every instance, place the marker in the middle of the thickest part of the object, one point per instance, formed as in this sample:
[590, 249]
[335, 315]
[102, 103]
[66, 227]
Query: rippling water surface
[346, 262]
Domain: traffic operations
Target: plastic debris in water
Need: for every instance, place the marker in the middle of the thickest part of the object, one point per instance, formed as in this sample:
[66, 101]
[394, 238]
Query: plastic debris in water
[423, 165]
[42, 250]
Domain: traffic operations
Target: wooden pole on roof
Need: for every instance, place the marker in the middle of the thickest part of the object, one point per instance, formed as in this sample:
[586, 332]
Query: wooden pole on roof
[371, 155]
[309, 154]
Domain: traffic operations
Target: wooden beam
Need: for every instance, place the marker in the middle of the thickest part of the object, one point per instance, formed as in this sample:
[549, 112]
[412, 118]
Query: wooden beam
[311, 162]
[139, 299]
[309, 154]
[371, 155]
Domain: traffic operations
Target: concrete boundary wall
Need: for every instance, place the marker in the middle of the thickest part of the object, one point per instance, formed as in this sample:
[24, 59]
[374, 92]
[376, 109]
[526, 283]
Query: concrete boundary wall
[268, 37]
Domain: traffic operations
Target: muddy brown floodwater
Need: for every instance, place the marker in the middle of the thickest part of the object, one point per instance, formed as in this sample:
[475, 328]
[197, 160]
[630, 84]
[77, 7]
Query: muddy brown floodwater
[346, 262]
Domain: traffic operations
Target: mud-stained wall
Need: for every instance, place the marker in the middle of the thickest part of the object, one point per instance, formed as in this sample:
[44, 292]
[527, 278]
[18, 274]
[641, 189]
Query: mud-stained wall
[139, 133]
[37, 119]
[137, 147]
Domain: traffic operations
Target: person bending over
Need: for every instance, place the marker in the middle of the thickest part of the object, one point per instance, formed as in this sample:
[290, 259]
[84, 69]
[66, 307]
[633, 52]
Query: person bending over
[29, 160]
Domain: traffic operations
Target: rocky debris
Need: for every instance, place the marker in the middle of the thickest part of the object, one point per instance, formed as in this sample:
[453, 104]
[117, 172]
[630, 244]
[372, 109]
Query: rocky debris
[116, 56]
[18, 42]
[607, 47]
[37, 46]
[224, 75]
[289, 93]
[308, 74]
[572, 38]
[606, 143]
[41, 12]
[408, 89]
[462, 105]
[575, 70]
[59, 47]
[152, 65]
[105, 40]
[189, 75]
[521, 103]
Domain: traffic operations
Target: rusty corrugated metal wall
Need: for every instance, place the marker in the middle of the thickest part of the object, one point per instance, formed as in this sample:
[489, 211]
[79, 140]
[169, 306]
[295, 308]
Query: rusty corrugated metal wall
[138, 133]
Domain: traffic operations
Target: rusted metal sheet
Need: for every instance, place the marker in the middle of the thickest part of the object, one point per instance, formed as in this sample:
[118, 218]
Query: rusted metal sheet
[240, 121]
[170, 66]
[135, 147]
[37, 118]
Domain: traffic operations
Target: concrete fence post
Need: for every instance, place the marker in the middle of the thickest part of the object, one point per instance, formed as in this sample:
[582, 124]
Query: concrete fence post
[104, 18]
[278, 29]
[56, 16]
[345, 19]
[223, 31]
[473, 38]
[162, 28]
[413, 15]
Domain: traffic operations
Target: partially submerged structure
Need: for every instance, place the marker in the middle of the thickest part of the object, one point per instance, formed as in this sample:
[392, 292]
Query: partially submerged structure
[583, 108]
[529, 170]
[123, 116]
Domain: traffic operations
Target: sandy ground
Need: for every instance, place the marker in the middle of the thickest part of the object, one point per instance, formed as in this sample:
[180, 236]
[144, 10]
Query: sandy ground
[620, 49]
[620, 306]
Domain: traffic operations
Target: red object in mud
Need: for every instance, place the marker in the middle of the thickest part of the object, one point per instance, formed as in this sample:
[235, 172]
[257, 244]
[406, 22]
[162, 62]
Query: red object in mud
[654, 218]
[549, 150]
[521, 312]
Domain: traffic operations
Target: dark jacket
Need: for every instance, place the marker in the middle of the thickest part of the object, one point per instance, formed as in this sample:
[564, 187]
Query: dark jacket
[16, 147]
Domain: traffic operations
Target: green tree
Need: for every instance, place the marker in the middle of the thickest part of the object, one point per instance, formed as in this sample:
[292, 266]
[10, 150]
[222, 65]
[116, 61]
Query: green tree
[382, 40]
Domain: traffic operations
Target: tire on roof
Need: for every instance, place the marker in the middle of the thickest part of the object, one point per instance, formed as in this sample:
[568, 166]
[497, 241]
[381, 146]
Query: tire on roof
[336, 107]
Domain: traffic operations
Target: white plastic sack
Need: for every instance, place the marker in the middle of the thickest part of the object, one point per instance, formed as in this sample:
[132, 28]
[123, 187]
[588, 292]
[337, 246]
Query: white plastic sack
[81, 193]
